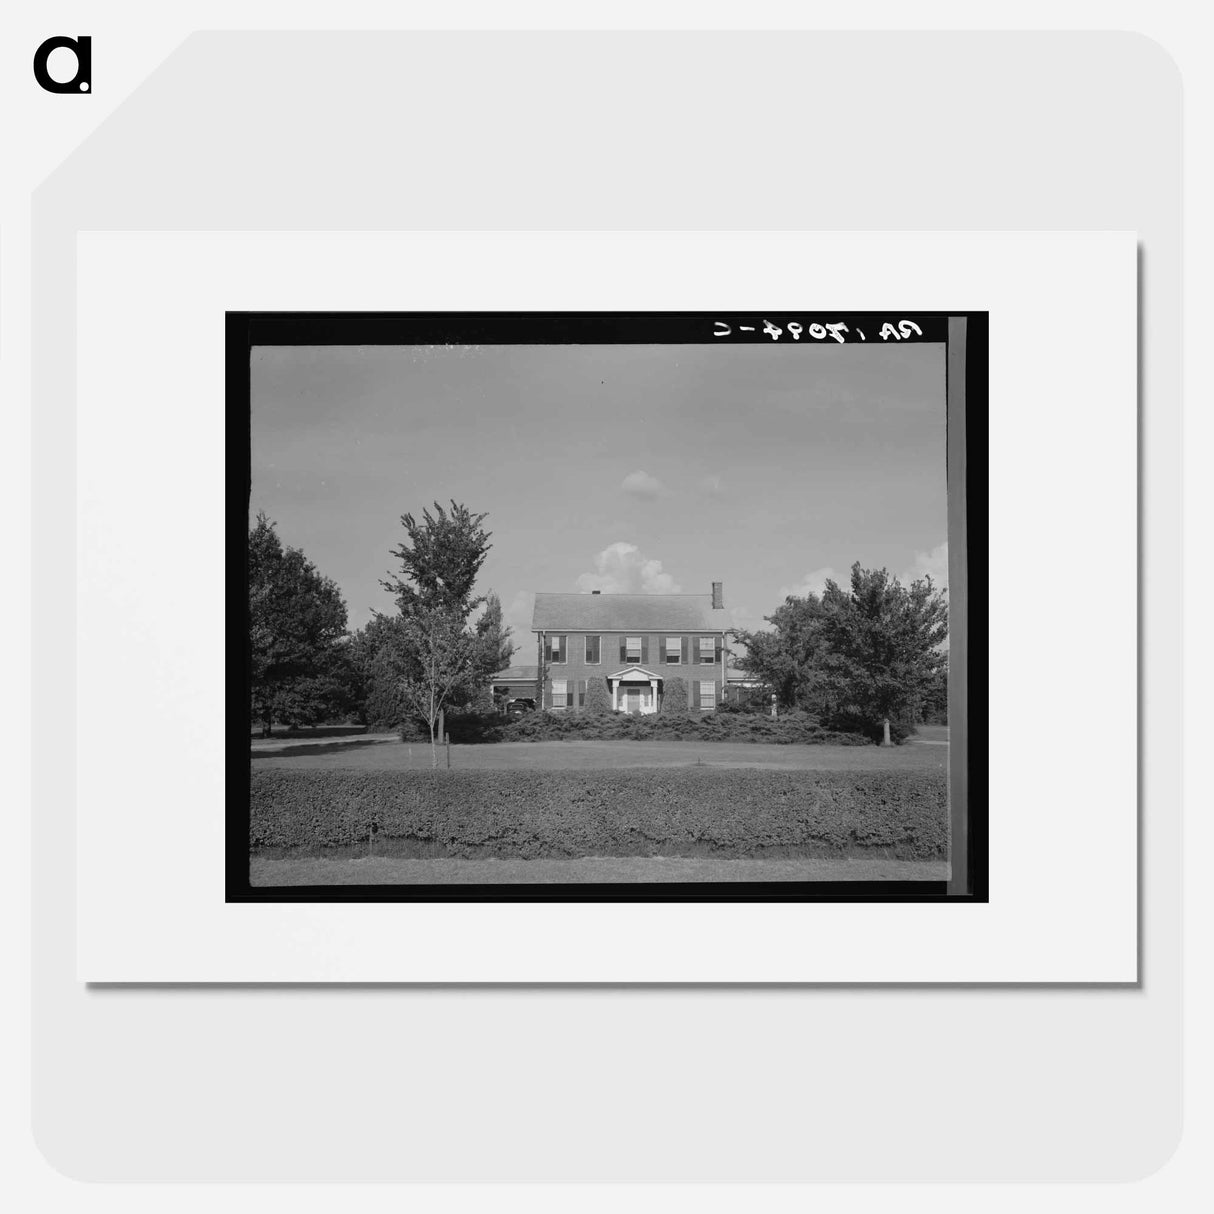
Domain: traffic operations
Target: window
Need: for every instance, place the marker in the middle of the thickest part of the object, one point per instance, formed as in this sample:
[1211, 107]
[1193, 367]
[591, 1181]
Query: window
[557, 649]
[674, 650]
[560, 697]
[708, 694]
[708, 651]
[632, 649]
[592, 651]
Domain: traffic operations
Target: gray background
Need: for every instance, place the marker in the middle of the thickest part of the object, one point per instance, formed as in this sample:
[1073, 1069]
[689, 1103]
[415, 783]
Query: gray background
[616, 131]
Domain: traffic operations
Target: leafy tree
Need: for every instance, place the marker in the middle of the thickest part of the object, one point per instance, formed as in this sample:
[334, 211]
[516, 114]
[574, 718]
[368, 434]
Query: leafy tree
[861, 659]
[935, 701]
[445, 656]
[385, 666]
[881, 648]
[331, 692]
[374, 672]
[435, 653]
[296, 621]
[787, 659]
[495, 648]
[440, 560]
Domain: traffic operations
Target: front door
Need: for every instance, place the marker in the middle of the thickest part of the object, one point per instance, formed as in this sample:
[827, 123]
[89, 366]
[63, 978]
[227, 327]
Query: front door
[632, 699]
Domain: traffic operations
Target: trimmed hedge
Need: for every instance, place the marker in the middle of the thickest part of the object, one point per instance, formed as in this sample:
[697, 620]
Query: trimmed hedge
[598, 696]
[657, 811]
[674, 696]
[789, 729]
[598, 723]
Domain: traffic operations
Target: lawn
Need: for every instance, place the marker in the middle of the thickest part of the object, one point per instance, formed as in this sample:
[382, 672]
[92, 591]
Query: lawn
[385, 753]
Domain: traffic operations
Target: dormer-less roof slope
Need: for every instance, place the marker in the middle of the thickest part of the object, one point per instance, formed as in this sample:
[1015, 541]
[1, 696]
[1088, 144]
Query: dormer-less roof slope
[517, 674]
[626, 612]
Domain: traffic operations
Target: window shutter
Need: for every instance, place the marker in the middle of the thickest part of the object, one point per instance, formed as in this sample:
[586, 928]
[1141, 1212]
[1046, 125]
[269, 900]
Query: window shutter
[686, 646]
[695, 693]
[644, 650]
[547, 649]
[718, 651]
[623, 650]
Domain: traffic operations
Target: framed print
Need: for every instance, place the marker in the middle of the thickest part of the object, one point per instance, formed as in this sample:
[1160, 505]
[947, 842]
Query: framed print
[521, 695]
[580, 392]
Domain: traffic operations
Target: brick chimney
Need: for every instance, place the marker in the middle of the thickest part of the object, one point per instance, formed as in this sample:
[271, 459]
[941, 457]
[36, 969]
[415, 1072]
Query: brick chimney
[718, 596]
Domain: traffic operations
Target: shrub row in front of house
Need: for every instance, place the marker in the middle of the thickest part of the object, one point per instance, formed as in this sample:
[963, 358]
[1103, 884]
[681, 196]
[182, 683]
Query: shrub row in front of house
[794, 728]
[685, 811]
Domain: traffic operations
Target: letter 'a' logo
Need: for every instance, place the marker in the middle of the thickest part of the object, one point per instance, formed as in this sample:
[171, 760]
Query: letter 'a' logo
[82, 48]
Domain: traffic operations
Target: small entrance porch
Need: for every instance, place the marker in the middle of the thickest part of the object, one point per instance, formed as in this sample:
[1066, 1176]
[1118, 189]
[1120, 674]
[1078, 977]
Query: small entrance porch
[635, 690]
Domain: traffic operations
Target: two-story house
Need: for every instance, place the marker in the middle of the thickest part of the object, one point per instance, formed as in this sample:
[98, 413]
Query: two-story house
[635, 643]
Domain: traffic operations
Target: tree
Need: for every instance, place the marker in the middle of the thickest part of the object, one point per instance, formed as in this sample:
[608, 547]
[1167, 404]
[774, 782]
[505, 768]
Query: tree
[881, 648]
[935, 702]
[436, 653]
[495, 648]
[445, 656]
[440, 560]
[385, 665]
[861, 659]
[787, 659]
[296, 620]
[329, 692]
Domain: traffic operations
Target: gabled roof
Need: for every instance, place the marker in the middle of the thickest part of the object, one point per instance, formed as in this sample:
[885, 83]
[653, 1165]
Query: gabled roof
[517, 674]
[626, 612]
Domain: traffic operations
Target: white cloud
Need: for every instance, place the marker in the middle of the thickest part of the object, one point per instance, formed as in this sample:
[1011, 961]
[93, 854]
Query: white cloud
[624, 569]
[932, 564]
[814, 582]
[641, 484]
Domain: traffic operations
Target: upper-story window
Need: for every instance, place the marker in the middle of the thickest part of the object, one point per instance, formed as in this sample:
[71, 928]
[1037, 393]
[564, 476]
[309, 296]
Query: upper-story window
[708, 650]
[558, 647]
[674, 650]
[593, 653]
[632, 649]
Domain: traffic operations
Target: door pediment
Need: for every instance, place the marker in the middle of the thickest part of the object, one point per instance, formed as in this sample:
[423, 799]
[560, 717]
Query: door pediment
[633, 674]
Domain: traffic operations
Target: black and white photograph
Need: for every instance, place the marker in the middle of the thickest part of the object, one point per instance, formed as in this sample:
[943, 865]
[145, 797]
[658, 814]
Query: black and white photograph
[604, 605]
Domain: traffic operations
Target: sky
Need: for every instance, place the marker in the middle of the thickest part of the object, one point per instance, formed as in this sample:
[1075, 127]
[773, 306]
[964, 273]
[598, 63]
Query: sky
[656, 469]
